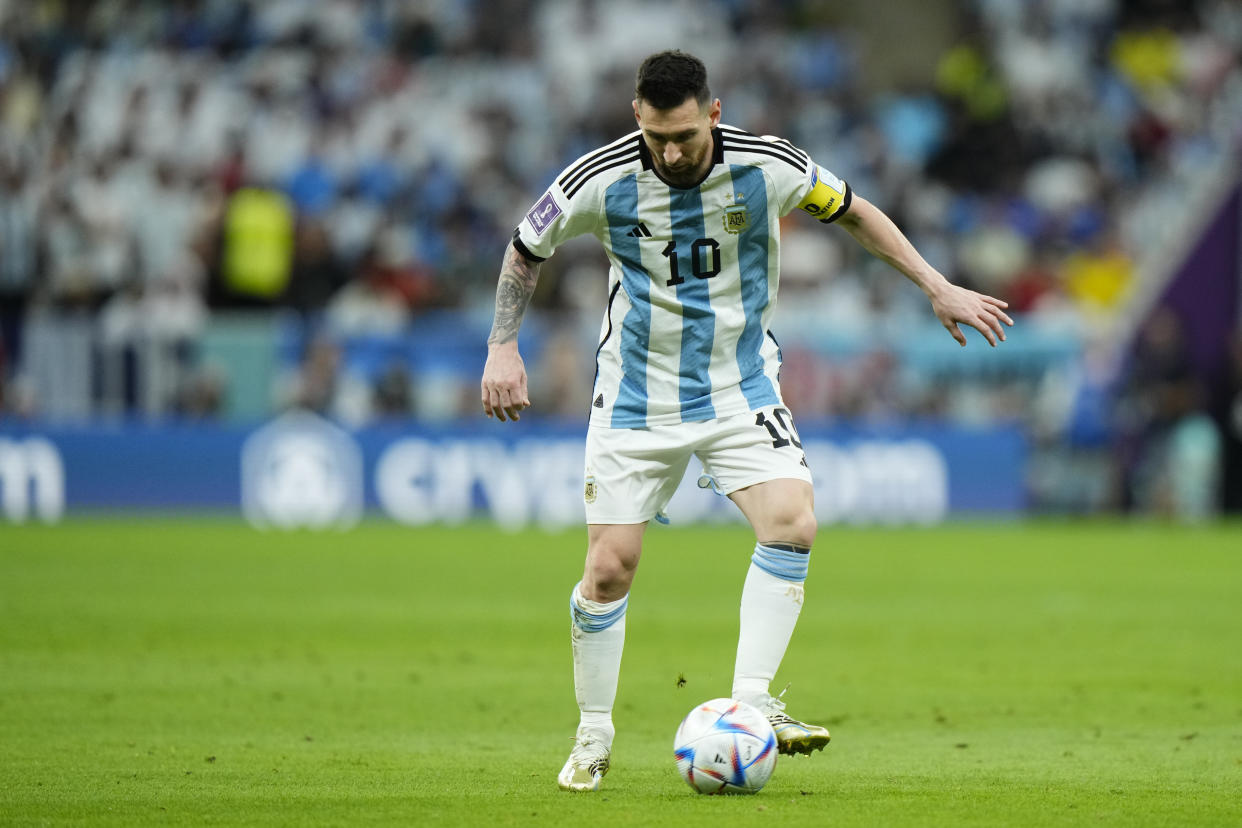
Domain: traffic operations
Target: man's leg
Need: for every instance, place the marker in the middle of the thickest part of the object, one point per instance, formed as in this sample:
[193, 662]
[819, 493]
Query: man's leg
[782, 514]
[597, 609]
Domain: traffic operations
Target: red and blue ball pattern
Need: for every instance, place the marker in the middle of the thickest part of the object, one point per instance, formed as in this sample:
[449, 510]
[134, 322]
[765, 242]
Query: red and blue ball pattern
[725, 746]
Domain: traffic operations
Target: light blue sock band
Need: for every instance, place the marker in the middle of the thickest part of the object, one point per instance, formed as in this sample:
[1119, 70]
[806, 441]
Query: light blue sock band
[782, 563]
[589, 621]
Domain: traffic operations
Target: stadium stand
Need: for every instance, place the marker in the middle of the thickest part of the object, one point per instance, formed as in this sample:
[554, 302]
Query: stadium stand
[205, 203]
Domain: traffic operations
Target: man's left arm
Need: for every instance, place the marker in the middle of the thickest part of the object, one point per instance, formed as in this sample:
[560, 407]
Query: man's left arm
[952, 304]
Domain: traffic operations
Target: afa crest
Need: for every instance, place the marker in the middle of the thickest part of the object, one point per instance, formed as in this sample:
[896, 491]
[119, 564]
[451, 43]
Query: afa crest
[736, 219]
[589, 492]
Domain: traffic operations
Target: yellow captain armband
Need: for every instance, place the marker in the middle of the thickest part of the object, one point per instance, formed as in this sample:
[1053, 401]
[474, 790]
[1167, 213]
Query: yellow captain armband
[828, 197]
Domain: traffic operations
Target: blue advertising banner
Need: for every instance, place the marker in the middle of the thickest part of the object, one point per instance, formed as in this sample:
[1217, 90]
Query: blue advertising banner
[303, 471]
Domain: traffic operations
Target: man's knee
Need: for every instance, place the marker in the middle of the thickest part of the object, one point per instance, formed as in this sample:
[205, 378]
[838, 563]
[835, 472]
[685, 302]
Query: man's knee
[607, 578]
[780, 511]
[610, 565]
[794, 525]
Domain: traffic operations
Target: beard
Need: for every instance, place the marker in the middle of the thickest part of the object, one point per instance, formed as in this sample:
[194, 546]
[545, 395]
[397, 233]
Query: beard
[685, 174]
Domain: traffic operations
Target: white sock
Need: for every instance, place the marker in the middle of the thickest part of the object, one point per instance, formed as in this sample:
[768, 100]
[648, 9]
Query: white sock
[598, 637]
[771, 602]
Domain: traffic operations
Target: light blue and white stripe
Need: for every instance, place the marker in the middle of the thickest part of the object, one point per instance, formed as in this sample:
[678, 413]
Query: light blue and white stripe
[588, 621]
[782, 563]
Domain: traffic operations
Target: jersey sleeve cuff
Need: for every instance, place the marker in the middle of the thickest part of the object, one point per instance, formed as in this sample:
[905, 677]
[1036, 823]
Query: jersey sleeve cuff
[845, 205]
[521, 247]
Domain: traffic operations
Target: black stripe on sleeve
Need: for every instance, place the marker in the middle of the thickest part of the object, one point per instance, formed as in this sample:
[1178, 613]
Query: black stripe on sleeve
[592, 158]
[773, 152]
[791, 154]
[787, 145]
[521, 248]
[845, 205]
[568, 181]
[629, 159]
[742, 136]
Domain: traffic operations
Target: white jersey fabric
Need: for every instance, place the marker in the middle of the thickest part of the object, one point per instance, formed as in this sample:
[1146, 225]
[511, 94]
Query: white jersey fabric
[694, 271]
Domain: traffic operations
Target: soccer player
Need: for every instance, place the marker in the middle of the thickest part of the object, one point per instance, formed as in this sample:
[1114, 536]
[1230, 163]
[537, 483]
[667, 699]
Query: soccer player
[688, 212]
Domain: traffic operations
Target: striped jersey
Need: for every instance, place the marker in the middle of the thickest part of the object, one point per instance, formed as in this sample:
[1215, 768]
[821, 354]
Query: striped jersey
[694, 271]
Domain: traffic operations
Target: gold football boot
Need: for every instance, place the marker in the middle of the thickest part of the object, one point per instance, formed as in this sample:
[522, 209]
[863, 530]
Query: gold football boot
[792, 736]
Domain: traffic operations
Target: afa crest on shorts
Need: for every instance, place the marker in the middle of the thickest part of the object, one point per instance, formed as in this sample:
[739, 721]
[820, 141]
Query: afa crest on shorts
[589, 491]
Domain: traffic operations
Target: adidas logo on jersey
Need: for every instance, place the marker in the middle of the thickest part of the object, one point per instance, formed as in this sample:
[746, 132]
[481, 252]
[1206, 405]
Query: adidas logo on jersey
[640, 232]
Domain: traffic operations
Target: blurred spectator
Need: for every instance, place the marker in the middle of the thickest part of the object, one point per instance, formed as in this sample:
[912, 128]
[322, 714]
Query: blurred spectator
[1230, 421]
[313, 185]
[321, 384]
[17, 258]
[382, 177]
[387, 287]
[1073, 469]
[394, 392]
[1170, 452]
[562, 379]
[201, 394]
[257, 252]
[317, 273]
[146, 339]
[1099, 277]
[1037, 283]
[166, 218]
[74, 277]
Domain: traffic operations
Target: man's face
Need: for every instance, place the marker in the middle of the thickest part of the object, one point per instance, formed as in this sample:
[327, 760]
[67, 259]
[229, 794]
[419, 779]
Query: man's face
[680, 139]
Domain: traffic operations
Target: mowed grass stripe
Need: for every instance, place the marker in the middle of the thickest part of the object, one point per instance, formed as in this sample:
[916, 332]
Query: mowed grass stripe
[198, 672]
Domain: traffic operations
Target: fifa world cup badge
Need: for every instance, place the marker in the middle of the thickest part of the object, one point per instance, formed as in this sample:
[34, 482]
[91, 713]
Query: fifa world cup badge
[588, 493]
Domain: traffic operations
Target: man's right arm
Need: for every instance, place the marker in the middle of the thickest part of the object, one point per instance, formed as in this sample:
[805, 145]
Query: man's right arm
[504, 375]
[951, 303]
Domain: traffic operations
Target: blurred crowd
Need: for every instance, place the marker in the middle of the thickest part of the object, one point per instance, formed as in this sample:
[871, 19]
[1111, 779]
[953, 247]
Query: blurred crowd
[358, 164]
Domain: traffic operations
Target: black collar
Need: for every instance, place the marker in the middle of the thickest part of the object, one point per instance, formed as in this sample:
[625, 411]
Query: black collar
[644, 153]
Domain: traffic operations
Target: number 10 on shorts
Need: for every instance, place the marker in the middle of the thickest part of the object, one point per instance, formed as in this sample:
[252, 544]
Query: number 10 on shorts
[781, 429]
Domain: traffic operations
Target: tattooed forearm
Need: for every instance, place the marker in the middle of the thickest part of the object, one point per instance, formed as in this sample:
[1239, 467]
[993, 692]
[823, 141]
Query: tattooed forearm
[518, 276]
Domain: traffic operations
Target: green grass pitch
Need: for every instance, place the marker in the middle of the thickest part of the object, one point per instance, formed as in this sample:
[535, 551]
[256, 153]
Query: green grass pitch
[198, 672]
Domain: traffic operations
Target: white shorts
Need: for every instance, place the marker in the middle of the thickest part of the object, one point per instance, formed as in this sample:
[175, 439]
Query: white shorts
[632, 473]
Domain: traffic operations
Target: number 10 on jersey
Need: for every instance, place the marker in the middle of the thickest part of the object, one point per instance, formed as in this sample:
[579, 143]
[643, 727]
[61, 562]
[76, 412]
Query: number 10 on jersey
[704, 260]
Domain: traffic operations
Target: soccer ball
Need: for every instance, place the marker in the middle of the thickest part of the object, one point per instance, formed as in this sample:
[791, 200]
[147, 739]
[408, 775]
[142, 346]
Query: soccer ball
[725, 746]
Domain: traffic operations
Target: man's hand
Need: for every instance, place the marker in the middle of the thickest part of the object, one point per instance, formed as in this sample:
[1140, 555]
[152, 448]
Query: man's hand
[953, 304]
[504, 382]
[504, 374]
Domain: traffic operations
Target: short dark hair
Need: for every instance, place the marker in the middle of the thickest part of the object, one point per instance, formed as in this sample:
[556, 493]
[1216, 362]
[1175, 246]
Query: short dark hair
[666, 79]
